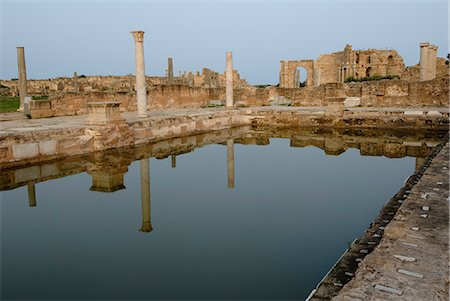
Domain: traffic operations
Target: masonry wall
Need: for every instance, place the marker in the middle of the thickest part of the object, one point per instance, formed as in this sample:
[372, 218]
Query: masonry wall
[384, 93]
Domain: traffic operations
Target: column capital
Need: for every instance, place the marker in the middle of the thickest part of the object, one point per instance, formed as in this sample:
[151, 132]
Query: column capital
[424, 44]
[138, 36]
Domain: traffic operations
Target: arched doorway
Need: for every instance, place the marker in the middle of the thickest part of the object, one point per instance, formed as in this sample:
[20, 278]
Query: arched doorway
[300, 77]
[369, 72]
[390, 69]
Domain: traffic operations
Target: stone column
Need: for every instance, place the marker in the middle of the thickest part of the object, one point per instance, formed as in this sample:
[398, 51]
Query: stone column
[174, 161]
[432, 61]
[282, 80]
[170, 71]
[230, 162]
[145, 195]
[22, 76]
[229, 80]
[141, 91]
[297, 78]
[31, 194]
[424, 61]
[130, 82]
[76, 89]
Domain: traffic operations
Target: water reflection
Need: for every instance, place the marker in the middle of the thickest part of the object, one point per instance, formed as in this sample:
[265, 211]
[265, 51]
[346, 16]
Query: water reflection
[108, 168]
[145, 195]
[285, 210]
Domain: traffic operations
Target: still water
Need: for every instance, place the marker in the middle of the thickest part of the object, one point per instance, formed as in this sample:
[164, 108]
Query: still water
[93, 227]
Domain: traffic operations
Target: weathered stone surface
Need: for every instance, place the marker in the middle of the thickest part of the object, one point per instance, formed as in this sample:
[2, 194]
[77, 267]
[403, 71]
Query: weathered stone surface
[25, 150]
[413, 112]
[351, 102]
[434, 114]
[424, 275]
[47, 147]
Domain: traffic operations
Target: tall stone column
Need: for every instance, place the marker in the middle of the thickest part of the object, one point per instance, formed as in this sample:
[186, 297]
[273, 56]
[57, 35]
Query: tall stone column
[31, 194]
[141, 91]
[170, 71]
[76, 88]
[229, 80]
[22, 77]
[230, 162]
[432, 61]
[424, 61]
[145, 195]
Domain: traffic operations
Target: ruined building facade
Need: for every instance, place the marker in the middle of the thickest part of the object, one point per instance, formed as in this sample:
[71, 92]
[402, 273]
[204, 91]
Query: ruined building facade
[339, 66]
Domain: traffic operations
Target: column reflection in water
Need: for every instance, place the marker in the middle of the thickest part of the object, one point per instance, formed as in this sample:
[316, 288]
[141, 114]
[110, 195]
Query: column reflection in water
[31, 194]
[174, 161]
[230, 162]
[145, 195]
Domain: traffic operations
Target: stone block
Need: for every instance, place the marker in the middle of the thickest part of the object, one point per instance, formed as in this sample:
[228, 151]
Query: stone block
[335, 106]
[103, 113]
[413, 113]
[434, 114]
[26, 150]
[40, 105]
[45, 113]
[47, 148]
[216, 102]
[351, 102]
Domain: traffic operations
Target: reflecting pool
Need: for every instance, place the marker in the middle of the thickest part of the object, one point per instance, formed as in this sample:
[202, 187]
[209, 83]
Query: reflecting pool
[239, 214]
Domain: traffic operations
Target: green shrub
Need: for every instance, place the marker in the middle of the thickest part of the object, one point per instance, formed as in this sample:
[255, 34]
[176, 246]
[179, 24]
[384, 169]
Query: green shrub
[375, 77]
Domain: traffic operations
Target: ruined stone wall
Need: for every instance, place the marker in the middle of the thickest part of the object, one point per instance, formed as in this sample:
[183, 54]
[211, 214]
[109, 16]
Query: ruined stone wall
[412, 73]
[339, 66]
[158, 97]
[384, 93]
[121, 84]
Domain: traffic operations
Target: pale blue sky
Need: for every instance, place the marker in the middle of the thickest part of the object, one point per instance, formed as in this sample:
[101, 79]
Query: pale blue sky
[93, 38]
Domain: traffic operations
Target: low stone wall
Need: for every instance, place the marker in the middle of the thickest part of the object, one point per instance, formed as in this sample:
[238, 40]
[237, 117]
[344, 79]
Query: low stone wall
[46, 141]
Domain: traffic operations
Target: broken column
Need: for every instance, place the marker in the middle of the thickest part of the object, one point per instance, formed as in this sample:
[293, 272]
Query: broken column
[229, 80]
[145, 195]
[230, 162]
[170, 71]
[141, 91]
[22, 72]
[76, 89]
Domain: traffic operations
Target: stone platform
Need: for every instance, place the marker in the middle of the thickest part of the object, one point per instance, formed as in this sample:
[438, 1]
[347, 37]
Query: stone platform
[411, 261]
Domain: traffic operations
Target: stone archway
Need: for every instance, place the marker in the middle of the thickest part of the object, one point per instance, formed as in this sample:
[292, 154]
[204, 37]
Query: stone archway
[289, 69]
[390, 68]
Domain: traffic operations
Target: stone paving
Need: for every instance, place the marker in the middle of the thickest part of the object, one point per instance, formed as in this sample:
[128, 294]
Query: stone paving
[412, 260]
[16, 123]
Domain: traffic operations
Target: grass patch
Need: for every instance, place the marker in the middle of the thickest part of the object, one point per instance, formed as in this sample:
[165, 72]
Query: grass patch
[9, 104]
[40, 97]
